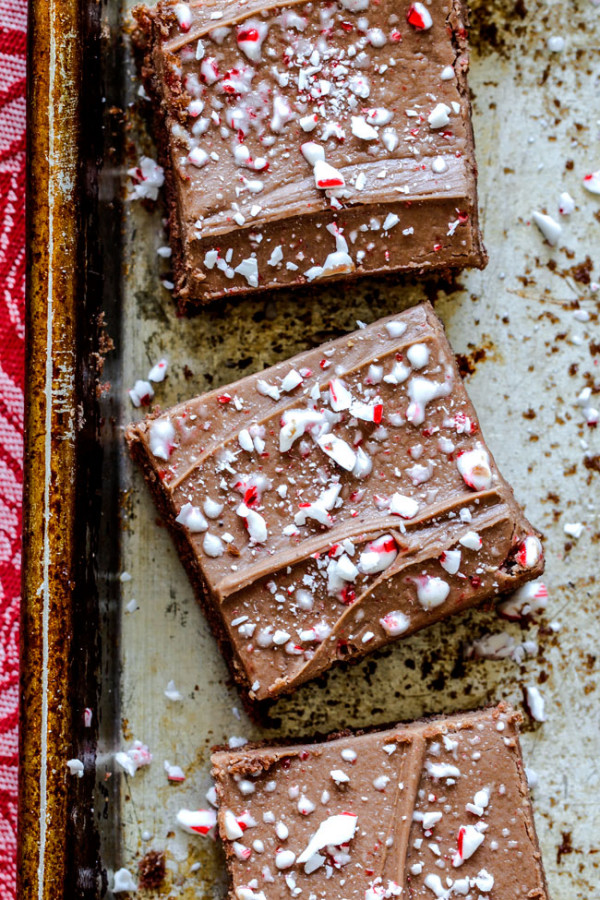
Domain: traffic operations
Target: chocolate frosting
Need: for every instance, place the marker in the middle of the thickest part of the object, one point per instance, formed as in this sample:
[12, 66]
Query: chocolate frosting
[436, 809]
[357, 82]
[336, 502]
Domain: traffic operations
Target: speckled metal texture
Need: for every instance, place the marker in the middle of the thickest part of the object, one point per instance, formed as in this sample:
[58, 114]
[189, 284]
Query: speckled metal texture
[526, 330]
[57, 843]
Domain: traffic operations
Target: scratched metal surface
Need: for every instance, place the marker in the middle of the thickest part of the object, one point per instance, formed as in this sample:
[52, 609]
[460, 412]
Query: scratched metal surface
[528, 355]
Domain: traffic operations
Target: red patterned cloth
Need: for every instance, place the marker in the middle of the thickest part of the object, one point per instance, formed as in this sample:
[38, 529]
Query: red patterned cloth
[13, 19]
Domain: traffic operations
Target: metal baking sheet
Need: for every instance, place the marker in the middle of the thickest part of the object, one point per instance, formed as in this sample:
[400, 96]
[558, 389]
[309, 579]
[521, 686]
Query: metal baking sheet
[527, 332]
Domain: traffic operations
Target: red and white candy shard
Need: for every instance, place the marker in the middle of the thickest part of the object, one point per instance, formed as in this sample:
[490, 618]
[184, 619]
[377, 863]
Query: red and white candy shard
[174, 773]
[197, 821]
[431, 590]
[421, 391]
[340, 397]
[297, 422]
[337, 450]
[395, 623]
[529, 552]
[141, 394]
[250, 37]
[326, 177]
[233, 830]
[419, 17]
[403, 506]
[378, 555]
[161, 434]
[528, 600]
[591, 182]
[474, 466]
[183, 15]
[335, 831]
[468, 840]
[471, 540]
[158, 372]
[450, 561]
[192, 519]
[367, 412]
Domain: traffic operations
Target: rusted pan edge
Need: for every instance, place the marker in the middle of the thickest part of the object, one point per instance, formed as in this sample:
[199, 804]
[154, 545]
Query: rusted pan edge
[56, 665]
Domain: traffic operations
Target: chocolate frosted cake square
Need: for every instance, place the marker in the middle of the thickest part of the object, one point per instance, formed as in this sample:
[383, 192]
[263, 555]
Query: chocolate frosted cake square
[309, 141]
[336, 502]
[434, 809]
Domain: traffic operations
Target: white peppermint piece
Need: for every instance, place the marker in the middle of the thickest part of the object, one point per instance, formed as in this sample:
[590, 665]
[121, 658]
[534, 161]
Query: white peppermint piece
[442, 770]
[447, 73]
[233, 830]
[326, 177]
[198, 157]
[213, 545]
[549, 227]
[355, 5]
[174, 773]
[431, 591]
[291, 381]
[450, 561]
[395, 623]
[161, 434]
[250, 36]
[471, 540]
[484, 881]
[297, 422]
[591, 182]
[391, 220]
[339, 776]
[171, 692]
[334, 831]
[403, 506]
[268, 390]
[474, 466]
[573, 529]
[439, 116]
[312, 152]
[338, 450]
[438, 165]
[361, 129]
[340, 397]
[192, 519]
[418, 355]
[123, 880]
[212, 509]
[75, 767]
[276, 256]
[555, 43]
[535, 703]
[395, 329]
[421, 392]
[248, 269]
